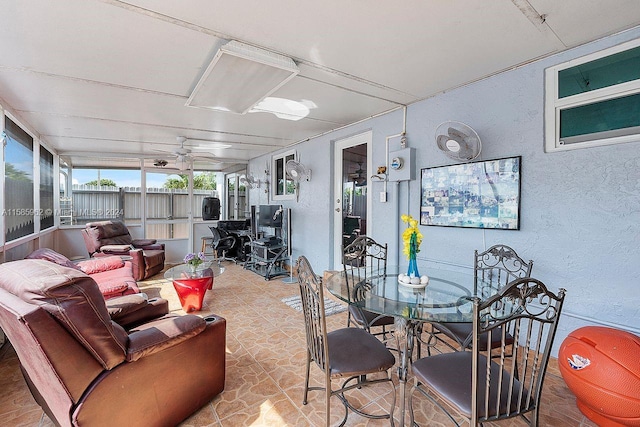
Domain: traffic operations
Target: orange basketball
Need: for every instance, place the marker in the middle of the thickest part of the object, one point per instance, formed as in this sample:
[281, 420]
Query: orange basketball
[601, 366]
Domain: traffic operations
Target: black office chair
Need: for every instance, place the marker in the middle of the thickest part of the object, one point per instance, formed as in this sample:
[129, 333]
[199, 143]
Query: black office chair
[482, 387]
[493, 269]
[223, 244]
[349, 353]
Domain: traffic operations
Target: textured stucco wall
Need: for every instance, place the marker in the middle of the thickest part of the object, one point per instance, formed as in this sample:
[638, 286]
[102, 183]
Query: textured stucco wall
[580, 211]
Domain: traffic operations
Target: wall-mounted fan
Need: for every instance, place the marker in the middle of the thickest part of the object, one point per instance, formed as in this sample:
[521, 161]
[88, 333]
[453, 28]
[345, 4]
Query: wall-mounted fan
[358, 176]
[297, 172]
[458, 141]
[250, 181]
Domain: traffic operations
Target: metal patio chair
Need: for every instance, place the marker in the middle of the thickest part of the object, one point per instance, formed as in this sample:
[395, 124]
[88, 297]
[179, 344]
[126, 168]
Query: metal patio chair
[493, 269]
[482, 387]
[363, 258]
[348, 353]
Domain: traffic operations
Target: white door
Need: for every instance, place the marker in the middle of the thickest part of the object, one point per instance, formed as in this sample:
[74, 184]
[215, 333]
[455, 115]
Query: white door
[352, 154]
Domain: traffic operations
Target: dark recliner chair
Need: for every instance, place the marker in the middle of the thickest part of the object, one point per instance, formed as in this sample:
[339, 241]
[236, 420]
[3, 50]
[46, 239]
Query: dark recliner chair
[84, 368]
[104, 238]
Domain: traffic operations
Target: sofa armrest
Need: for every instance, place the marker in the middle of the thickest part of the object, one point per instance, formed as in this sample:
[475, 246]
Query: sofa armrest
[116, 249]
[122, 305]
[129, 310]
[154, 247]
[160, 334]
[140, 243]
[137, 263]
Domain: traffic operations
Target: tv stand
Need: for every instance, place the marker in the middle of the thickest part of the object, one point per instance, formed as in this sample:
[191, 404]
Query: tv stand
[267, 258]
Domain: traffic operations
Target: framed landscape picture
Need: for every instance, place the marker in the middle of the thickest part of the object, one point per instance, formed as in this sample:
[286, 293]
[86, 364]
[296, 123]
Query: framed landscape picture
[484, 194]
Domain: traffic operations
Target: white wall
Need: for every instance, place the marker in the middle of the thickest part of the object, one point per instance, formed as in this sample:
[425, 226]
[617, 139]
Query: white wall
[580, 211]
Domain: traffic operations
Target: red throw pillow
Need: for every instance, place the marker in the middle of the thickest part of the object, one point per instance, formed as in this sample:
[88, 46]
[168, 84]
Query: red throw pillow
[97, 265]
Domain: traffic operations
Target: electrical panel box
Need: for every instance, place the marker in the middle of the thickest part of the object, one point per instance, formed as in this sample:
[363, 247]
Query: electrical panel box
[402, 165]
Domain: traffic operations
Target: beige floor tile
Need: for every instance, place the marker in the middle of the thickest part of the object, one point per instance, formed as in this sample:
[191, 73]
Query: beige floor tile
[266, 358]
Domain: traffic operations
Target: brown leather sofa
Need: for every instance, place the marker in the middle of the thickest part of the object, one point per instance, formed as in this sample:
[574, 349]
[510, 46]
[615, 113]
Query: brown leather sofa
[84, 368]
[104, 238]
[113, 275]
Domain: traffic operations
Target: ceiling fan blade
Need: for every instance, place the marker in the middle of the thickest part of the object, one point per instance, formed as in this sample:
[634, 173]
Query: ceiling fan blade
[207, 159]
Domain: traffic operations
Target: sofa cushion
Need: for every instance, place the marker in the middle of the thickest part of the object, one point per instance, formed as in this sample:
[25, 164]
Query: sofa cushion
[157, 335]
[97, 265]
[52, 256]
[116, 282]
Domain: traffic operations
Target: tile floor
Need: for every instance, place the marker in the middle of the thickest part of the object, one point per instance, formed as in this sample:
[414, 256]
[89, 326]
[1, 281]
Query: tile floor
[265, 367]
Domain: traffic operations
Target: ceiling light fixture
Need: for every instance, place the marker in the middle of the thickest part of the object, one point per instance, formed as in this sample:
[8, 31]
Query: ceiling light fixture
[240, 76]
[182, 163]
[283, 108]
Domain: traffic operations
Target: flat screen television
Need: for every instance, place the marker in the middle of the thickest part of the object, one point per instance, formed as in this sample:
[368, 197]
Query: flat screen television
[270, 216]
[484, 194]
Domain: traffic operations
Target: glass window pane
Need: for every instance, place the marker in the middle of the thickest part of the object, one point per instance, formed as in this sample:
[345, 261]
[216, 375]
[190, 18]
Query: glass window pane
[291, 187]
[167, 199]
[604, 72]
[280, 176]
[46, 189]
[204, 185]
[610, 115]
[66, 201]
[103, 194]
[18, 174]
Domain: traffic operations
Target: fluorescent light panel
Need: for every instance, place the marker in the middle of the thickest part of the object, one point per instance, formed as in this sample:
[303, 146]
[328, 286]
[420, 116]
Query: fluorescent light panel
[239, 77]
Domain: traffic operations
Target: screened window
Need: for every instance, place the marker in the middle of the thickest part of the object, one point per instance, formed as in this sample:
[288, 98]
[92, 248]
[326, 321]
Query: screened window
[594, 100]
[283, 187]
[167, 206]
[46, 189]
[18, 175]
[104, 194]
[204, 185]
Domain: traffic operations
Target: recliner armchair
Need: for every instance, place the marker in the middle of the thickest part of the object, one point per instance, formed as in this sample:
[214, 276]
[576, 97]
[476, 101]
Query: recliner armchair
[104, 238]
[83, 368]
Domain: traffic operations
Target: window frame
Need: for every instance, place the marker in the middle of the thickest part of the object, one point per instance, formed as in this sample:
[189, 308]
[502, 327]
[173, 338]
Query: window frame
[35, 181]
[554, 105]
[274, 172]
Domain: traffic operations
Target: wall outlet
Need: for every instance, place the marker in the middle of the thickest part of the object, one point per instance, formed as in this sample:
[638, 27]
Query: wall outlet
[383, 196]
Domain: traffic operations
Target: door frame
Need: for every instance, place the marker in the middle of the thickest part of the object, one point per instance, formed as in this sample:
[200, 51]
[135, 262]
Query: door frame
[339, 146]
[233, 212]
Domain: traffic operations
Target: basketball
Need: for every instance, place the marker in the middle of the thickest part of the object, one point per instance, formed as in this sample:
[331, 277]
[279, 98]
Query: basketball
[601, 366]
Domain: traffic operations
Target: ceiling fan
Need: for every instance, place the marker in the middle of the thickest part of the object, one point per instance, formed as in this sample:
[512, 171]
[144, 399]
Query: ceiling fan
[358, 177]
[184, 157]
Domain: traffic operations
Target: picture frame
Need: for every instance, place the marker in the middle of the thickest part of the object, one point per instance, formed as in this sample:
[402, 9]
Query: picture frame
[481, 194]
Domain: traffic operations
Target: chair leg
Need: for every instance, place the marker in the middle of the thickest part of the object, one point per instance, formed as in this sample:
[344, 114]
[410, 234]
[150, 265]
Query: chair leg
[306, 379]
[327, 399]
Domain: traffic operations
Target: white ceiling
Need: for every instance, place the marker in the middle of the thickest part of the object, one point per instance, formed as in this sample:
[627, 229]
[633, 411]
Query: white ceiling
[110, 78]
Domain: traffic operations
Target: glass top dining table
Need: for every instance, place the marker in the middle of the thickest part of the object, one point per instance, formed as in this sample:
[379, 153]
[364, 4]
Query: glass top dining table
[446, 298]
